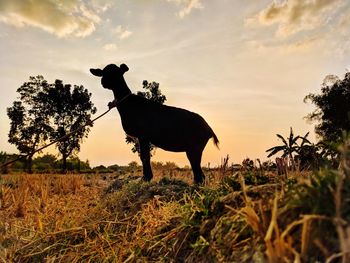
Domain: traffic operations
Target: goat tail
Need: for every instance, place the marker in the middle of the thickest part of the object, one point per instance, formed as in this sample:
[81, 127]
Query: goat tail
[216, 140]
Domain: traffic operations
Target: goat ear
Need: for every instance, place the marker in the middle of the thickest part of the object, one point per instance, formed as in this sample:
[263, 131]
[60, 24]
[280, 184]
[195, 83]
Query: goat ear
[97, 72]
[124, 68]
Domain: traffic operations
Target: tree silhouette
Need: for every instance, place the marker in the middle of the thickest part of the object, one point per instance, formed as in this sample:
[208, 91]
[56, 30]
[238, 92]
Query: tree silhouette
[332, 108]
[70, 109]
[29, 123]
[289, 146]
[309, 154]
[153, 93]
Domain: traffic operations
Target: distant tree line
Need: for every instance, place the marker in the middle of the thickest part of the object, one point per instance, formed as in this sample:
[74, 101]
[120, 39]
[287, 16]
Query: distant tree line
[45, 163]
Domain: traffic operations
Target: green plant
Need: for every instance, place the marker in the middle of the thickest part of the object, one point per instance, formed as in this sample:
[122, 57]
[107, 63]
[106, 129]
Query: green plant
[323, 196]
[230, 183]
[289, 147]
[315, 196]
[255, 178]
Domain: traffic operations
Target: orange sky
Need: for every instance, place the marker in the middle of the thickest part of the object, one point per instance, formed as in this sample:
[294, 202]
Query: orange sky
[245, 66]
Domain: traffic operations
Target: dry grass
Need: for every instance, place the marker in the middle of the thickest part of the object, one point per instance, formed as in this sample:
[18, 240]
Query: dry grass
[248, 216]
[36, 205]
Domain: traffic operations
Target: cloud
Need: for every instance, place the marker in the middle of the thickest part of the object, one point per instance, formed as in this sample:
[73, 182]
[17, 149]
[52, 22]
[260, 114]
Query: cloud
[293, 16]
[110, 47]
[187, 6]
[303, 45]
[62, 18]
[122, 33]
[344, 22]
[101, 6]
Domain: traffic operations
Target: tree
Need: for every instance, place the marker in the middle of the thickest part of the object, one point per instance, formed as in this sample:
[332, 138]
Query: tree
[46, 158]
[332, 108]
[3, 159]
[29, 123]
[45, 162]
[308, 155]
[153, 93]
[289, 147]
[70, 109]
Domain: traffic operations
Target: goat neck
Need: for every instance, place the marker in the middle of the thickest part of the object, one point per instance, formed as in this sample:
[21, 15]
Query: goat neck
[121, 91]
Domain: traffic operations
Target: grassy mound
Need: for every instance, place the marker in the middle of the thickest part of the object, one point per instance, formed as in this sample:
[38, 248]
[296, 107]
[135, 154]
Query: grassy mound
[250, 216]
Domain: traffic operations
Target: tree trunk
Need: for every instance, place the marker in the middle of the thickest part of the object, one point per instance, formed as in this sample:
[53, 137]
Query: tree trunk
[29, 164]
[5, 168]
[64, 163]
[79, 165]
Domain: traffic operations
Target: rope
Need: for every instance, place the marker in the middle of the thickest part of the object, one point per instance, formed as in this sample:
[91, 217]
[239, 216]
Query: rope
[55, 141]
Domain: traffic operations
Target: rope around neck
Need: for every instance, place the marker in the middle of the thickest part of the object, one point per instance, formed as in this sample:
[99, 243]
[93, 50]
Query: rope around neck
[116, 102]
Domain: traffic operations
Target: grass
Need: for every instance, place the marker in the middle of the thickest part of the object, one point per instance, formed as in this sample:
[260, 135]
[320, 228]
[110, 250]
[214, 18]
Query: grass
[245, 216]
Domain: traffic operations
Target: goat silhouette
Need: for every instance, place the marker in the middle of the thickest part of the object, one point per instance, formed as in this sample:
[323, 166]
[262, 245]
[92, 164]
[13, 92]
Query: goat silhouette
[170, 128]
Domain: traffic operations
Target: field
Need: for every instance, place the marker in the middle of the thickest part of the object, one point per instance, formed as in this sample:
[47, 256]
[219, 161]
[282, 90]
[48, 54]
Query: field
[249, 215]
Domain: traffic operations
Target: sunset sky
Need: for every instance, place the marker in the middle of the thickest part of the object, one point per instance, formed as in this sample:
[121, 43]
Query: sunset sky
[245, 66]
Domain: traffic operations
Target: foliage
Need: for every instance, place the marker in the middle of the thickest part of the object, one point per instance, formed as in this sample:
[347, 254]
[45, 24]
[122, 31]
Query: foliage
[310, 157]
[21, 164]
[47, 163]
[153, 93]
[255, 178]
[114, 167]
[70, 110]
[73, 164]
[289, 147]
[248, 164]
[49, 111]
[332, 112]
[30, 125]
[314, 196]
[325, 194]
[251, 177]
[3, 157]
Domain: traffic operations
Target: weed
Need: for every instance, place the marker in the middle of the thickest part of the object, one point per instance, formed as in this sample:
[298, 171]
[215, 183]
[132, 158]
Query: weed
[249, 216]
